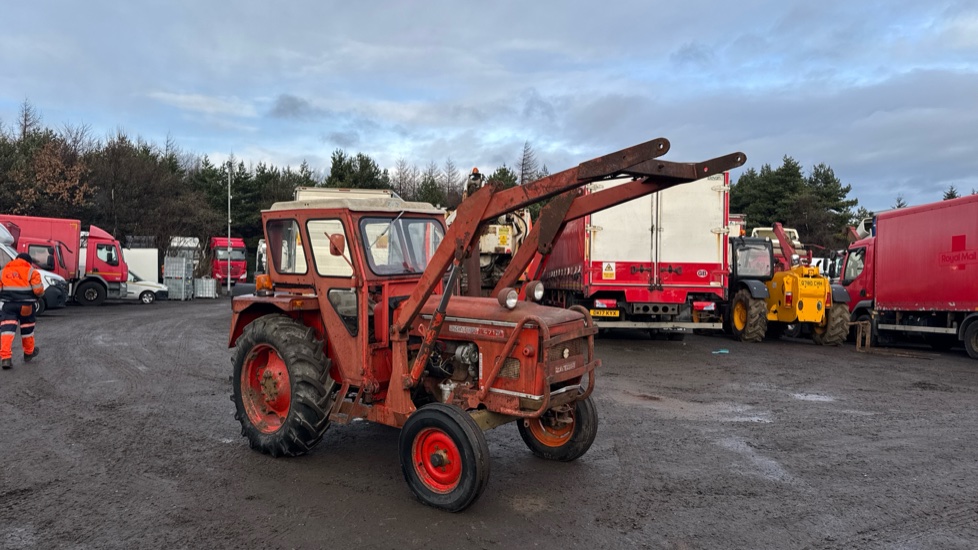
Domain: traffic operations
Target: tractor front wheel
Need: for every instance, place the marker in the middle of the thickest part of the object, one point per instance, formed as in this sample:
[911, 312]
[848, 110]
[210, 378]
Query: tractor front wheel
[444, 457]
[748, 317]
[562, 435]
[834, 328]
[282, 390]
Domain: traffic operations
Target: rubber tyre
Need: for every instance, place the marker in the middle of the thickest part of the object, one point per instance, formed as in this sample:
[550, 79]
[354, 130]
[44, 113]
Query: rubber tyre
[456, 484]
[41, 306]
[282, 348]
[90, 294]
[971, 340]
[562, 444]
[147, 297]
[836, 327]
[748, 317]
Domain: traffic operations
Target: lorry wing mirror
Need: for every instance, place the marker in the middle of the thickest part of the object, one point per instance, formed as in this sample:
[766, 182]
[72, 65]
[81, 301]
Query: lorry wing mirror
[337, 244]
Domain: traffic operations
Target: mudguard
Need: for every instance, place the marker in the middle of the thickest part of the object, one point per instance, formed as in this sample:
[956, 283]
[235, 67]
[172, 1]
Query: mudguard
[839, 294]
[757, 289]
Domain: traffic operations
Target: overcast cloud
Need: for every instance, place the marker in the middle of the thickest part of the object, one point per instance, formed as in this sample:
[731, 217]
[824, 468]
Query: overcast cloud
[884, 92]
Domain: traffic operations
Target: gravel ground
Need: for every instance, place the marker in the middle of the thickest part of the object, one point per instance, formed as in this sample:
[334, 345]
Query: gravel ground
[121, 435]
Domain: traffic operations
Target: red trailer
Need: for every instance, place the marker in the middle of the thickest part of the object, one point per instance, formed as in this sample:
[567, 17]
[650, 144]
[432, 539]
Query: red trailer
[918, 274]
[91, 261]
[652, 263]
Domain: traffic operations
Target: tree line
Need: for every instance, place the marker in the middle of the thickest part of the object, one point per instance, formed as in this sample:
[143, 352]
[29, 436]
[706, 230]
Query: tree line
[134, 188]
[142, 191]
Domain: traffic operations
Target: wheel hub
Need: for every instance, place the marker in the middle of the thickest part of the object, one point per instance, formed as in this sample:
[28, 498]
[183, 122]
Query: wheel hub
[266, 389]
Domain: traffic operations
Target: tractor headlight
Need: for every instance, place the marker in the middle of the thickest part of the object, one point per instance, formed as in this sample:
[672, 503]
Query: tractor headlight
[508, 297]
[534, 290]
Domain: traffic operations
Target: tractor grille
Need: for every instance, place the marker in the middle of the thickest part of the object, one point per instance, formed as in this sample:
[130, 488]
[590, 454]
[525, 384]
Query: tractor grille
[575, 347]
[510, 369]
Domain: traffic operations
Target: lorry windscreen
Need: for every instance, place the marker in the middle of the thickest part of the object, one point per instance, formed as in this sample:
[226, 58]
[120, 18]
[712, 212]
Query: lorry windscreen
[396, 246]
[237, 254]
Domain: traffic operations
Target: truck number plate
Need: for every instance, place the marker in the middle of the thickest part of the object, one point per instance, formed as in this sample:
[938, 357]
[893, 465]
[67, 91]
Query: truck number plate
[604, 313]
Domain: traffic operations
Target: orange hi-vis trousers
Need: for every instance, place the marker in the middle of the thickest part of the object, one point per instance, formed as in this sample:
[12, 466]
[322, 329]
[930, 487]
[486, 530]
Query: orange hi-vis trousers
[11, 315]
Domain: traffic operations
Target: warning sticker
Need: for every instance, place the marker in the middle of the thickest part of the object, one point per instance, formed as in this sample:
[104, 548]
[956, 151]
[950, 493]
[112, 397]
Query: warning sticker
[607, 270]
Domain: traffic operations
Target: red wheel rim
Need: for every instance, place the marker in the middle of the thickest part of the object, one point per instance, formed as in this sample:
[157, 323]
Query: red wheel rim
[266, 391]
[437, 460]
[549, 433]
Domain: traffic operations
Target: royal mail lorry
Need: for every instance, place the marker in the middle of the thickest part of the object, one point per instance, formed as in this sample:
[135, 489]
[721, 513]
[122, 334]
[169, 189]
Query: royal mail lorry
[228, 259]
[917, 274]
[91, 261]
[652, 263]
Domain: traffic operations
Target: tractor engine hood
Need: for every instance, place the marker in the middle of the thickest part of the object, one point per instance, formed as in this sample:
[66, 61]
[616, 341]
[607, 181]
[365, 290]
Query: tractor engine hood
[488, 311]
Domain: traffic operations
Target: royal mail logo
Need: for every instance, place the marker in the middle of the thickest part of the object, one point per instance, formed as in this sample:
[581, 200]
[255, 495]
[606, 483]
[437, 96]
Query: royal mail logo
[960, 254]
[959, 257]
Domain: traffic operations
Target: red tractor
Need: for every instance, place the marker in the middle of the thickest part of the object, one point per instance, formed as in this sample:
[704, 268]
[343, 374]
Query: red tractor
[359, 318]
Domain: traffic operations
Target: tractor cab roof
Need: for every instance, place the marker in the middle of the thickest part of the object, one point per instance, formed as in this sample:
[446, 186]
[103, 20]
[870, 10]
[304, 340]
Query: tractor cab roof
[357, 204]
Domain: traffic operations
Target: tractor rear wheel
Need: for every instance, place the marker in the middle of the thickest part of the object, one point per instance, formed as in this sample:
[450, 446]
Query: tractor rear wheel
[834, 328]
[282, 390]
[748, 317]
[444, 457]
[562, 436]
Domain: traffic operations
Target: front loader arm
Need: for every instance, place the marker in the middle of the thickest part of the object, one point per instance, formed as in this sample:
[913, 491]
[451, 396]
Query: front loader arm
[573, 205]
[487, 204]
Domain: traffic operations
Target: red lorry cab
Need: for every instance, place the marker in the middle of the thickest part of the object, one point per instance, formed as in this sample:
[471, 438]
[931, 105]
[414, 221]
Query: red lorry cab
[219, 259]
[91, 261]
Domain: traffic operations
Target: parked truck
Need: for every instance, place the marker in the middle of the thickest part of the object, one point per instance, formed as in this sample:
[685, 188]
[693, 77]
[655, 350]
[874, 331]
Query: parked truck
[55, 286]
[917, 274]
[229, 259]
[91, 261]
[356, 320]
[654, 263]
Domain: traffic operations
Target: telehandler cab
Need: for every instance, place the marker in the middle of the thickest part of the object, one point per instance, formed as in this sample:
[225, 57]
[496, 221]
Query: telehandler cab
[357, 318]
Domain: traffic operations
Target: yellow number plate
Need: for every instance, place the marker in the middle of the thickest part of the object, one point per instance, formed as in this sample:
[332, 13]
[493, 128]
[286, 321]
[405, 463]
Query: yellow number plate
[604, 313]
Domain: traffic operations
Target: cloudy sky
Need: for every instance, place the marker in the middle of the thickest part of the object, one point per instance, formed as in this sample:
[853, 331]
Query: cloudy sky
[884, 92]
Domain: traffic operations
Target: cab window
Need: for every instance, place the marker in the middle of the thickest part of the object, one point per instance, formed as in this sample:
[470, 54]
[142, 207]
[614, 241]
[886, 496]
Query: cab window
[855, 262]
[107, 253]
[285, 247]
[328, 265]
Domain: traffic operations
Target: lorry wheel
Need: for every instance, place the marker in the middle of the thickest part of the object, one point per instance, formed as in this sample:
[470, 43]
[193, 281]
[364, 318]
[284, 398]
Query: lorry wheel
[547, 438]
[444, 457]
[90, 294]
[282, 390]
[835, 328]
[971, 340]
[748, 317]
[147, 297]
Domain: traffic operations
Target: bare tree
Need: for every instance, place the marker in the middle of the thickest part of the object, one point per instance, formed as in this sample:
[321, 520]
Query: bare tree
[28, 119]
[527, 167]
[451, 181]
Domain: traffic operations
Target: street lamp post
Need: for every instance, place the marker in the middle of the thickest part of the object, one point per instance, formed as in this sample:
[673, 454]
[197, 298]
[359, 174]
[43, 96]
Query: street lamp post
[229, 229]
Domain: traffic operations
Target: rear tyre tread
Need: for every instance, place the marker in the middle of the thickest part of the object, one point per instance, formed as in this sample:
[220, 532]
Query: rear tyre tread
[836, 328]
[756, 325]
[313, 390]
